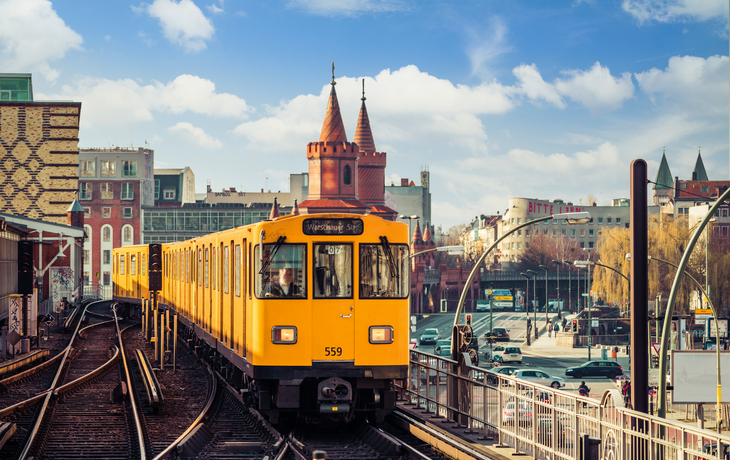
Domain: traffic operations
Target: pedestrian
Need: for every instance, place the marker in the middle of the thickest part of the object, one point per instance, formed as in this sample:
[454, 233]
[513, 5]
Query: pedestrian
[550, 330]
[565, 322]
[627, 394]
[557, 329]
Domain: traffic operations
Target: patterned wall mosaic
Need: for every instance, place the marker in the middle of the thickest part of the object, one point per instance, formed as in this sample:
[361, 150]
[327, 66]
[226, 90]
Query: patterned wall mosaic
[39, 145]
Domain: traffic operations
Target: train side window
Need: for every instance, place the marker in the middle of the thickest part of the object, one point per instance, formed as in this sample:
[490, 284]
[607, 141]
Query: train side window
[226, 270]
[215, 268]
[281, 274]
[384, 274]
[333, 270]
[133, 264]
[207, 267]
[121, 264]
[237, 270]
[200, 267]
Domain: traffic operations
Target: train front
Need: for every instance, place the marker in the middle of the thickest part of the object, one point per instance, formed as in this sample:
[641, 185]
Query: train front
[332, 314]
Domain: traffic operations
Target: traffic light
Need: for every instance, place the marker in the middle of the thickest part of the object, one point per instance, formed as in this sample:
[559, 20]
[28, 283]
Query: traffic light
[25, 267]
[155, 267]
[575, 325]
[468, 320]
[654, 361]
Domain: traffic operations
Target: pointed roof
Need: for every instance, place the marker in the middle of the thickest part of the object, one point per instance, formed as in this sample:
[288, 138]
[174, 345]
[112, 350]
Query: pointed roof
[417, 237]
[333, 130]
[664, 178]
[701, 174]
[295, 211]
[363, 135]
[427, 234]
[75, 207]
[274, 210]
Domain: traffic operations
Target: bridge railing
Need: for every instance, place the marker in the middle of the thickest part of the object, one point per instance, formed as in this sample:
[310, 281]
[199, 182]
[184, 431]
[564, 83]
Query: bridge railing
[546, 423]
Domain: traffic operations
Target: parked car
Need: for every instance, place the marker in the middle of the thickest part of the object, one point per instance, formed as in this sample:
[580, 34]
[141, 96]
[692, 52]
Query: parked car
[429, 337]
[498, 334]
[498, 350]
[442, 348]
[520, 411]
[539, 377]
[608, 369]
[507, 355]
[492, 374]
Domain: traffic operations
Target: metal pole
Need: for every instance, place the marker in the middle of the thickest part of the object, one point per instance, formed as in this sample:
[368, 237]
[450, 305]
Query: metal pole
[640, 290]
[588, 301]
[570, 293]
[534, 316]
[174, 349]
[558, 289]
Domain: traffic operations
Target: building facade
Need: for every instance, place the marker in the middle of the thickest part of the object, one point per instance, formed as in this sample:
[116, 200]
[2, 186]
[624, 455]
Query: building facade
[114, 185]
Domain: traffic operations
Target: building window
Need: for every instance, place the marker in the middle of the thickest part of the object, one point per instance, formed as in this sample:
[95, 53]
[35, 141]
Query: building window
[512, 221]
[608, 220]
[705, 189]
[157, 189]
[555, 222]
[346, 175]
[85, 191]
[563, 232]
[519, 245]
[87, 213]
[519, 220]
[86, 168]
[600, 220]
[108, 169]
[618, 221]
[169, 194]
[107, 191]
[519, 232]
[590, 244]
[527, 232]
[683, 186]
[106, 234]
[590, 232]
[106, 256]
[127, 234]
[107, 279]
[724, 212]
[127, 213]
[555, 233]
[106, 213]
[86, 259]
[545, 222]
[582, 232]
[129, 168]
[128, 191]
[582, 245]
[590, 221]
[572, 232]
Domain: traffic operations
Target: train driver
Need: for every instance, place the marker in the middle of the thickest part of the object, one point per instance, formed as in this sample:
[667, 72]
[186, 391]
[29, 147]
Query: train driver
[284, 286]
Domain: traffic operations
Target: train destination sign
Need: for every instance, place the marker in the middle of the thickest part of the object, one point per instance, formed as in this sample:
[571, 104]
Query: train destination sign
[332, 227]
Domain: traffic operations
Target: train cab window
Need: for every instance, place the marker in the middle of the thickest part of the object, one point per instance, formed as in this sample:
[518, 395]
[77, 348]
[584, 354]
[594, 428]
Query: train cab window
[133, 264]
[280, 270]
[384, 271]
[332, 270]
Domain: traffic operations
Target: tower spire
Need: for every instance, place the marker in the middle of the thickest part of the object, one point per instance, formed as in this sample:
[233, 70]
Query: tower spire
[699, 172]
[664, 175]
[333, 130]
[363, 135]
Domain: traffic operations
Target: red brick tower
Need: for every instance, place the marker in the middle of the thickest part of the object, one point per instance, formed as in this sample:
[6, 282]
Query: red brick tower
[333, 172]
[371, 167]
[417, 245]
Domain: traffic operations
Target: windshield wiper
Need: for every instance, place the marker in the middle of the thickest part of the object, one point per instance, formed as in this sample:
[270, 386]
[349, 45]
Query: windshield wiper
[389, 255]
[272, 253]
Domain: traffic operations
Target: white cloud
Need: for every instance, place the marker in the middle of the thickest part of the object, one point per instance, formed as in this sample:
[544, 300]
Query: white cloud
[698, 85]
[348, 7]
[31, 35]
[215, 9]
[410, 105]
[596, 88]
[190, 133]
[534, 87]
[675, 10]
[126, 101]
[182, 22]
[485, 46]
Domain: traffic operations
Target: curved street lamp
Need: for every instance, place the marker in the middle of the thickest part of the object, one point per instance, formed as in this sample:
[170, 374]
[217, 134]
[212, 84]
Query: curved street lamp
[570, 217]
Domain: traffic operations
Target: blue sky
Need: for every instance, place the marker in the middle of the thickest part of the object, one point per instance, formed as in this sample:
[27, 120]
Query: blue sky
[499, 99]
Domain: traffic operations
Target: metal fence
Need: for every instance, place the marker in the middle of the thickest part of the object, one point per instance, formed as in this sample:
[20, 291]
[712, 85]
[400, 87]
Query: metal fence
[546, 423]
[97, 291]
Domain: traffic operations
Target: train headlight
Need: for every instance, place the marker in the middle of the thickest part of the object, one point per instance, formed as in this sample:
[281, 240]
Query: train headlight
[381, 334]
[284, 334]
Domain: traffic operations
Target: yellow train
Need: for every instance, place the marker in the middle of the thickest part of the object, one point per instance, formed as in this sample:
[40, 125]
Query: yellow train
[304, 313]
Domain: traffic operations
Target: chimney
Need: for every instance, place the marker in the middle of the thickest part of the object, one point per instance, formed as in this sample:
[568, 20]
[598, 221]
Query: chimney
[676, 186]
[694, 175]
[404, 182]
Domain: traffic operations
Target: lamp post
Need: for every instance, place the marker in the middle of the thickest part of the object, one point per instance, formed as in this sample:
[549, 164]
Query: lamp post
[410, 218]
[534, 295]
[547, 302]
[558, 263]
[570, 293]
[571, 218]
[527, 298]
[587, 264]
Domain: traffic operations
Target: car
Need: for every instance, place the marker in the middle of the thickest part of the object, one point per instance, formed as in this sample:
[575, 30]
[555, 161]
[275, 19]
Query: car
[509, 355]
[442, 348]
[429, 337]
[498, 334]
[474, 344]
[609, 369]
[495, 352]
[539, 377]
[521, 411]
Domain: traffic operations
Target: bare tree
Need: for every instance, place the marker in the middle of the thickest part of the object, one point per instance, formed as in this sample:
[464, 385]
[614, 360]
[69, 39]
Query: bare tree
[542, 250]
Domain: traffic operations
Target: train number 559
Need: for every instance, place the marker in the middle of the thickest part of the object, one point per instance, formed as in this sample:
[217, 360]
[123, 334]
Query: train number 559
[333, 351]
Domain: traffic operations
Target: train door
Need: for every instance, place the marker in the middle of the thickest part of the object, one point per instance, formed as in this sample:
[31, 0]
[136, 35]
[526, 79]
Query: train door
[238, 311]
[226, 310]
[333, 308]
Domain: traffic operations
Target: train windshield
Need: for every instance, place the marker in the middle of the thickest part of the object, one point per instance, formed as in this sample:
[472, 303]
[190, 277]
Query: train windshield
[384, 271]
[332, 270]
[281, 271]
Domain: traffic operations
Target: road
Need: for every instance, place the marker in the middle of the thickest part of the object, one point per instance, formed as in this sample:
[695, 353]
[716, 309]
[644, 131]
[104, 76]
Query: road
[543, 354]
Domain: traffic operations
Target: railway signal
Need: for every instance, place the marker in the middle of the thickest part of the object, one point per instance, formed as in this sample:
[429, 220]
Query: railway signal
[155, 267]
[25, 267]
